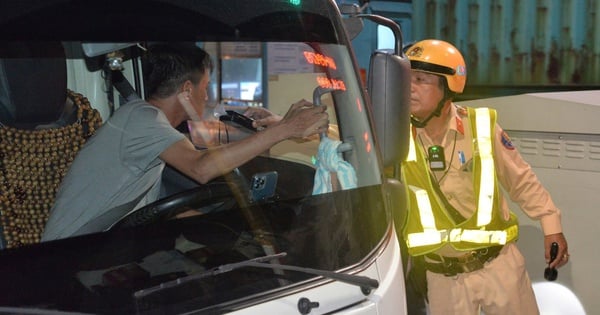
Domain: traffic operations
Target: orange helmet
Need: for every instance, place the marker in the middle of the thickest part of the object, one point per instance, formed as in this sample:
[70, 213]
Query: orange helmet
[441, 58]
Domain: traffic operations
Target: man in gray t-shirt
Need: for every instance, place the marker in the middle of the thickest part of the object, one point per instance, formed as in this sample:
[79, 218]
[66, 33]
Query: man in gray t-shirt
[119, 168]
[125, 153]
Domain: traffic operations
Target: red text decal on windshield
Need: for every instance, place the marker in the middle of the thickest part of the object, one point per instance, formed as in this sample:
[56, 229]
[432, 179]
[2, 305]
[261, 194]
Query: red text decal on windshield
[319, 60]
[331, 83]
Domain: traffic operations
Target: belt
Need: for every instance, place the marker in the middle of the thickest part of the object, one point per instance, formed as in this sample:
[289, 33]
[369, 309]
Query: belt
[469, 262]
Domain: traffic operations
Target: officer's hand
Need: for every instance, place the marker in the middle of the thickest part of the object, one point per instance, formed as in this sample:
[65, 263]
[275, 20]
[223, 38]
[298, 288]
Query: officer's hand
[563, 250]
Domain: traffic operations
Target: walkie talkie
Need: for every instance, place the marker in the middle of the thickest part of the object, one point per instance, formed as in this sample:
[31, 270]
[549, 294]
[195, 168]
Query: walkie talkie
[551, 274]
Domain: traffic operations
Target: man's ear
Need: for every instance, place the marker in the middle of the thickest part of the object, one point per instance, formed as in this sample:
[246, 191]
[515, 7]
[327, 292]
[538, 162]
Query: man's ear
[187, 86]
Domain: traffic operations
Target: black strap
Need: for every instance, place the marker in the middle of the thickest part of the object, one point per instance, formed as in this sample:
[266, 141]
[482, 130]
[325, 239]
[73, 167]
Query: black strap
[455, 215]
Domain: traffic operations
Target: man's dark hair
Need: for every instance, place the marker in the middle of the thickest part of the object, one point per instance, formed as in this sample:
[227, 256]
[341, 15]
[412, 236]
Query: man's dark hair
[167, 66]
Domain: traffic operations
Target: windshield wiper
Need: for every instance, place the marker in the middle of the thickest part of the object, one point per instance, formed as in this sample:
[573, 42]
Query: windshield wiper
[365, 283]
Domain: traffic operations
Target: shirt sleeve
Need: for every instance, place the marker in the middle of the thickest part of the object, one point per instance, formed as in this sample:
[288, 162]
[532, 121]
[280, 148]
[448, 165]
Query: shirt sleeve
[148, 134]
[523, 186]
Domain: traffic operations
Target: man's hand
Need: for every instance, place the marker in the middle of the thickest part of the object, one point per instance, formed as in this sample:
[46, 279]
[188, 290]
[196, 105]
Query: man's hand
[563, 250]
[262, 117]
[304, 119]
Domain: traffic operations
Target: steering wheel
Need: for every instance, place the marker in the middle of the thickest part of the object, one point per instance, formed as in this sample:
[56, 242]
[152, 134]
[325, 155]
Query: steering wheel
[235, 187]
[168, 207]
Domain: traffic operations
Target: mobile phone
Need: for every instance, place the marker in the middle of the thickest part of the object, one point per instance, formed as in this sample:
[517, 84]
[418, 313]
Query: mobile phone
[262, 186]
[239, 119]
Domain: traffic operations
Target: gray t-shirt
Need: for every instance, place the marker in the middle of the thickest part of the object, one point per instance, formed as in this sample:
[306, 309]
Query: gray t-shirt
[116, 171]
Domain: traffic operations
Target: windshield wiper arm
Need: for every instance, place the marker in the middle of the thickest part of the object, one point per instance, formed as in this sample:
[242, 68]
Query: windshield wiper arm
[366, 284]
[212, 272]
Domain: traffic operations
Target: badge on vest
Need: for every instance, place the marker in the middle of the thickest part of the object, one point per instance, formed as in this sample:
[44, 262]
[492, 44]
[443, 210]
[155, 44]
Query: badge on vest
[461, 157]
[437, 160]
[506, 142]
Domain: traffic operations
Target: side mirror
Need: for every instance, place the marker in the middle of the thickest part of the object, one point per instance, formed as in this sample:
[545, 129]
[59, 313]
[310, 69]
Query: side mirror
[389, 88]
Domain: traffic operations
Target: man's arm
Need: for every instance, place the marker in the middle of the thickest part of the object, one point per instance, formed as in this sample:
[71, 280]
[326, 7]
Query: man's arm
[524, 187]
[302, 120]
[209, 133]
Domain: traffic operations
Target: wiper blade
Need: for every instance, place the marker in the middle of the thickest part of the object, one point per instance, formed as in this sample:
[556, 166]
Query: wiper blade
[212, 272]
[366, 284]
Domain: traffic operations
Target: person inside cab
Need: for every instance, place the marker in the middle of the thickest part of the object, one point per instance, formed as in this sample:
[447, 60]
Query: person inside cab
[460, 233]
[119, 168]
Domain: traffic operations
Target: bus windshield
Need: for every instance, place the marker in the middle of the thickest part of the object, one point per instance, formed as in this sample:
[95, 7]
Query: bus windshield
[321, 207]
[316, 202]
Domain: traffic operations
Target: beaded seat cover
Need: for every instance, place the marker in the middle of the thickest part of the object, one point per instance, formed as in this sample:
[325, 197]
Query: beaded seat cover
[32, 166]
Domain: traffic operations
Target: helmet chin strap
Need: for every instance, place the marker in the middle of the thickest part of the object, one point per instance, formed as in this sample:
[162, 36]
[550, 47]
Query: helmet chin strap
[437, 112]
[448, 95]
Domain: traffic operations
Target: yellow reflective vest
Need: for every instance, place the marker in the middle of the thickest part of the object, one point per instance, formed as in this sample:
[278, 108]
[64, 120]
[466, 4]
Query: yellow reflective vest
[429, 225]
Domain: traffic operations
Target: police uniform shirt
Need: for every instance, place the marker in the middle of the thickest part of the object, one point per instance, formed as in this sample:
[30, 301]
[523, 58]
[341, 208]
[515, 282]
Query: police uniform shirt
[514, 174]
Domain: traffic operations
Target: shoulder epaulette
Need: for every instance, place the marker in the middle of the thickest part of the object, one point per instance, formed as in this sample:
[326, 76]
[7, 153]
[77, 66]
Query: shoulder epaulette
[461, 111]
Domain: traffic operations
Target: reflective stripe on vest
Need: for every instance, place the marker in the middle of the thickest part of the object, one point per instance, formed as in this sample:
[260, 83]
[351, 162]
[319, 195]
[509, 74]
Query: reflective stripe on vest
[431, 235]
[412, 151]
[488, 175]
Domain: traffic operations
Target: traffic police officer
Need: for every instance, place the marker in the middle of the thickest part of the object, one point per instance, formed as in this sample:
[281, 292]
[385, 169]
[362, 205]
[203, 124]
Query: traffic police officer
[459, 226]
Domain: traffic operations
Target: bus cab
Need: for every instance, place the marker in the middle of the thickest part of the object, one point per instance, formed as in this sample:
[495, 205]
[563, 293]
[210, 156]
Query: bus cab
[303, 228]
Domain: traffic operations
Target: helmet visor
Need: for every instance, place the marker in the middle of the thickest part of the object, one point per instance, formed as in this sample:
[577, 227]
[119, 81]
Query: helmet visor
[430, 67]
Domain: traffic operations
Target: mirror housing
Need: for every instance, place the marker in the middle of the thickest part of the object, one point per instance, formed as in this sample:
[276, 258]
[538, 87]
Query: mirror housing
[353, 24]
[389, 89]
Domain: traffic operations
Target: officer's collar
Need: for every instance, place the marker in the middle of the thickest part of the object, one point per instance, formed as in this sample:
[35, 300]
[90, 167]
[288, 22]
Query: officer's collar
[456, 119]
